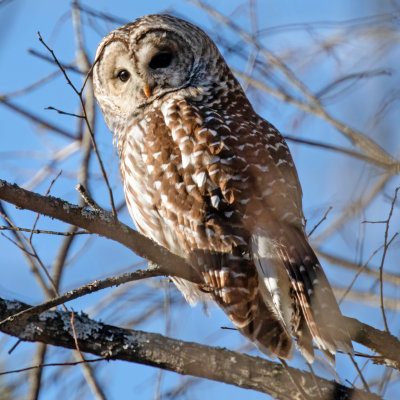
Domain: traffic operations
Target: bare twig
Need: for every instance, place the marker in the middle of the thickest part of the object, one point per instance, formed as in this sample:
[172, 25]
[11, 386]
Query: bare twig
[79, 93]
[40, 366]
[35, 377]
[67, 67]
[37, 119]
[353, 208]
[385, 248]
[391, 303]
[374, 272]
[21, 244]
[31, 87]
[84, 290]
[360, 374]
[359, 271]
[57, 157]
[38, 231]
[64, 112]
[320, 221]
[350, 153]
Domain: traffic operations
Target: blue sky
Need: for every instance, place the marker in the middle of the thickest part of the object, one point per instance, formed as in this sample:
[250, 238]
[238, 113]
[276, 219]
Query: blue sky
[328, 179]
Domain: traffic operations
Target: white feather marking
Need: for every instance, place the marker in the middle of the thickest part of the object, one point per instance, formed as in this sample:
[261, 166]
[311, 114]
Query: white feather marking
[200, 178]
[275, 278]
[280, 161]
[215, 201]
[267, 192]
[215, 171]
[164, 198]
[198, 153]
[185, 160]
[184, 139]
[157, 185]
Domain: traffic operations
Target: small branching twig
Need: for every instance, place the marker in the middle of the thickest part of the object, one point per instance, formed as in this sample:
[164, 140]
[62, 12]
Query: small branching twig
[88, 198]
[84, 290]
[35, 118]
[359, 271]
[385, 248]
[85, 117]
[64, 112]
[360, 374]
[370, 271]
[320, 221]
[41, 231]
[66, 364]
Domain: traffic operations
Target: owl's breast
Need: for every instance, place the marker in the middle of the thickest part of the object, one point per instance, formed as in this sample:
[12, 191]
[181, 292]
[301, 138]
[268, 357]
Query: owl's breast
[140, 167]
[177, 182]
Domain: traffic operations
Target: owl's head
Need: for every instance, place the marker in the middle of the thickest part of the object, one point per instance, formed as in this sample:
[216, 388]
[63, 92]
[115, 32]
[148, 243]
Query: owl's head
[149, 58]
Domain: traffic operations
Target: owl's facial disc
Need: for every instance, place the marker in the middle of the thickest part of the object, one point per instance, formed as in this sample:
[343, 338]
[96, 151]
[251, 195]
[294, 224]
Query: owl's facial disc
[136, 71]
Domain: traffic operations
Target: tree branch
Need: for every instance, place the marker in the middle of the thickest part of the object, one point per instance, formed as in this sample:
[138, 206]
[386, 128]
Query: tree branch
[101, 223]
[186, 358]
[378, 341]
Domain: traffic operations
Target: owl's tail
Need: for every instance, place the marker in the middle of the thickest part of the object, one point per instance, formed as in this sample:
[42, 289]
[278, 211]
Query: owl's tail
[267, 332]
[233, 282]
[319, 314]
[297, 290]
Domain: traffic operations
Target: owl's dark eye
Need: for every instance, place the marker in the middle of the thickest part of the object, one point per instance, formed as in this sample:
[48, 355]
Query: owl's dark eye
[161, 60]
[123, 75]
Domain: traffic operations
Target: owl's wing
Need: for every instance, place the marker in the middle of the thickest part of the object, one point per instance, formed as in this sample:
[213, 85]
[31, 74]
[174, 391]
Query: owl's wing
[314, 307]
[278, 152]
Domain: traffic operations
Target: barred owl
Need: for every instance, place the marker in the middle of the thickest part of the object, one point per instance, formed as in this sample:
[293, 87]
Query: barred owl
[213, 182]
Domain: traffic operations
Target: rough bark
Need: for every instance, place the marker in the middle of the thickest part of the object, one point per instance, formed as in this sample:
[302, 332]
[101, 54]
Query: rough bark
[186, 358]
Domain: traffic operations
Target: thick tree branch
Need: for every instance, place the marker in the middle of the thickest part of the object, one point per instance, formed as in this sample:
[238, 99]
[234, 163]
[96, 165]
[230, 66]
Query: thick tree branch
[379, 341]
[54, 327]
[101, 223]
